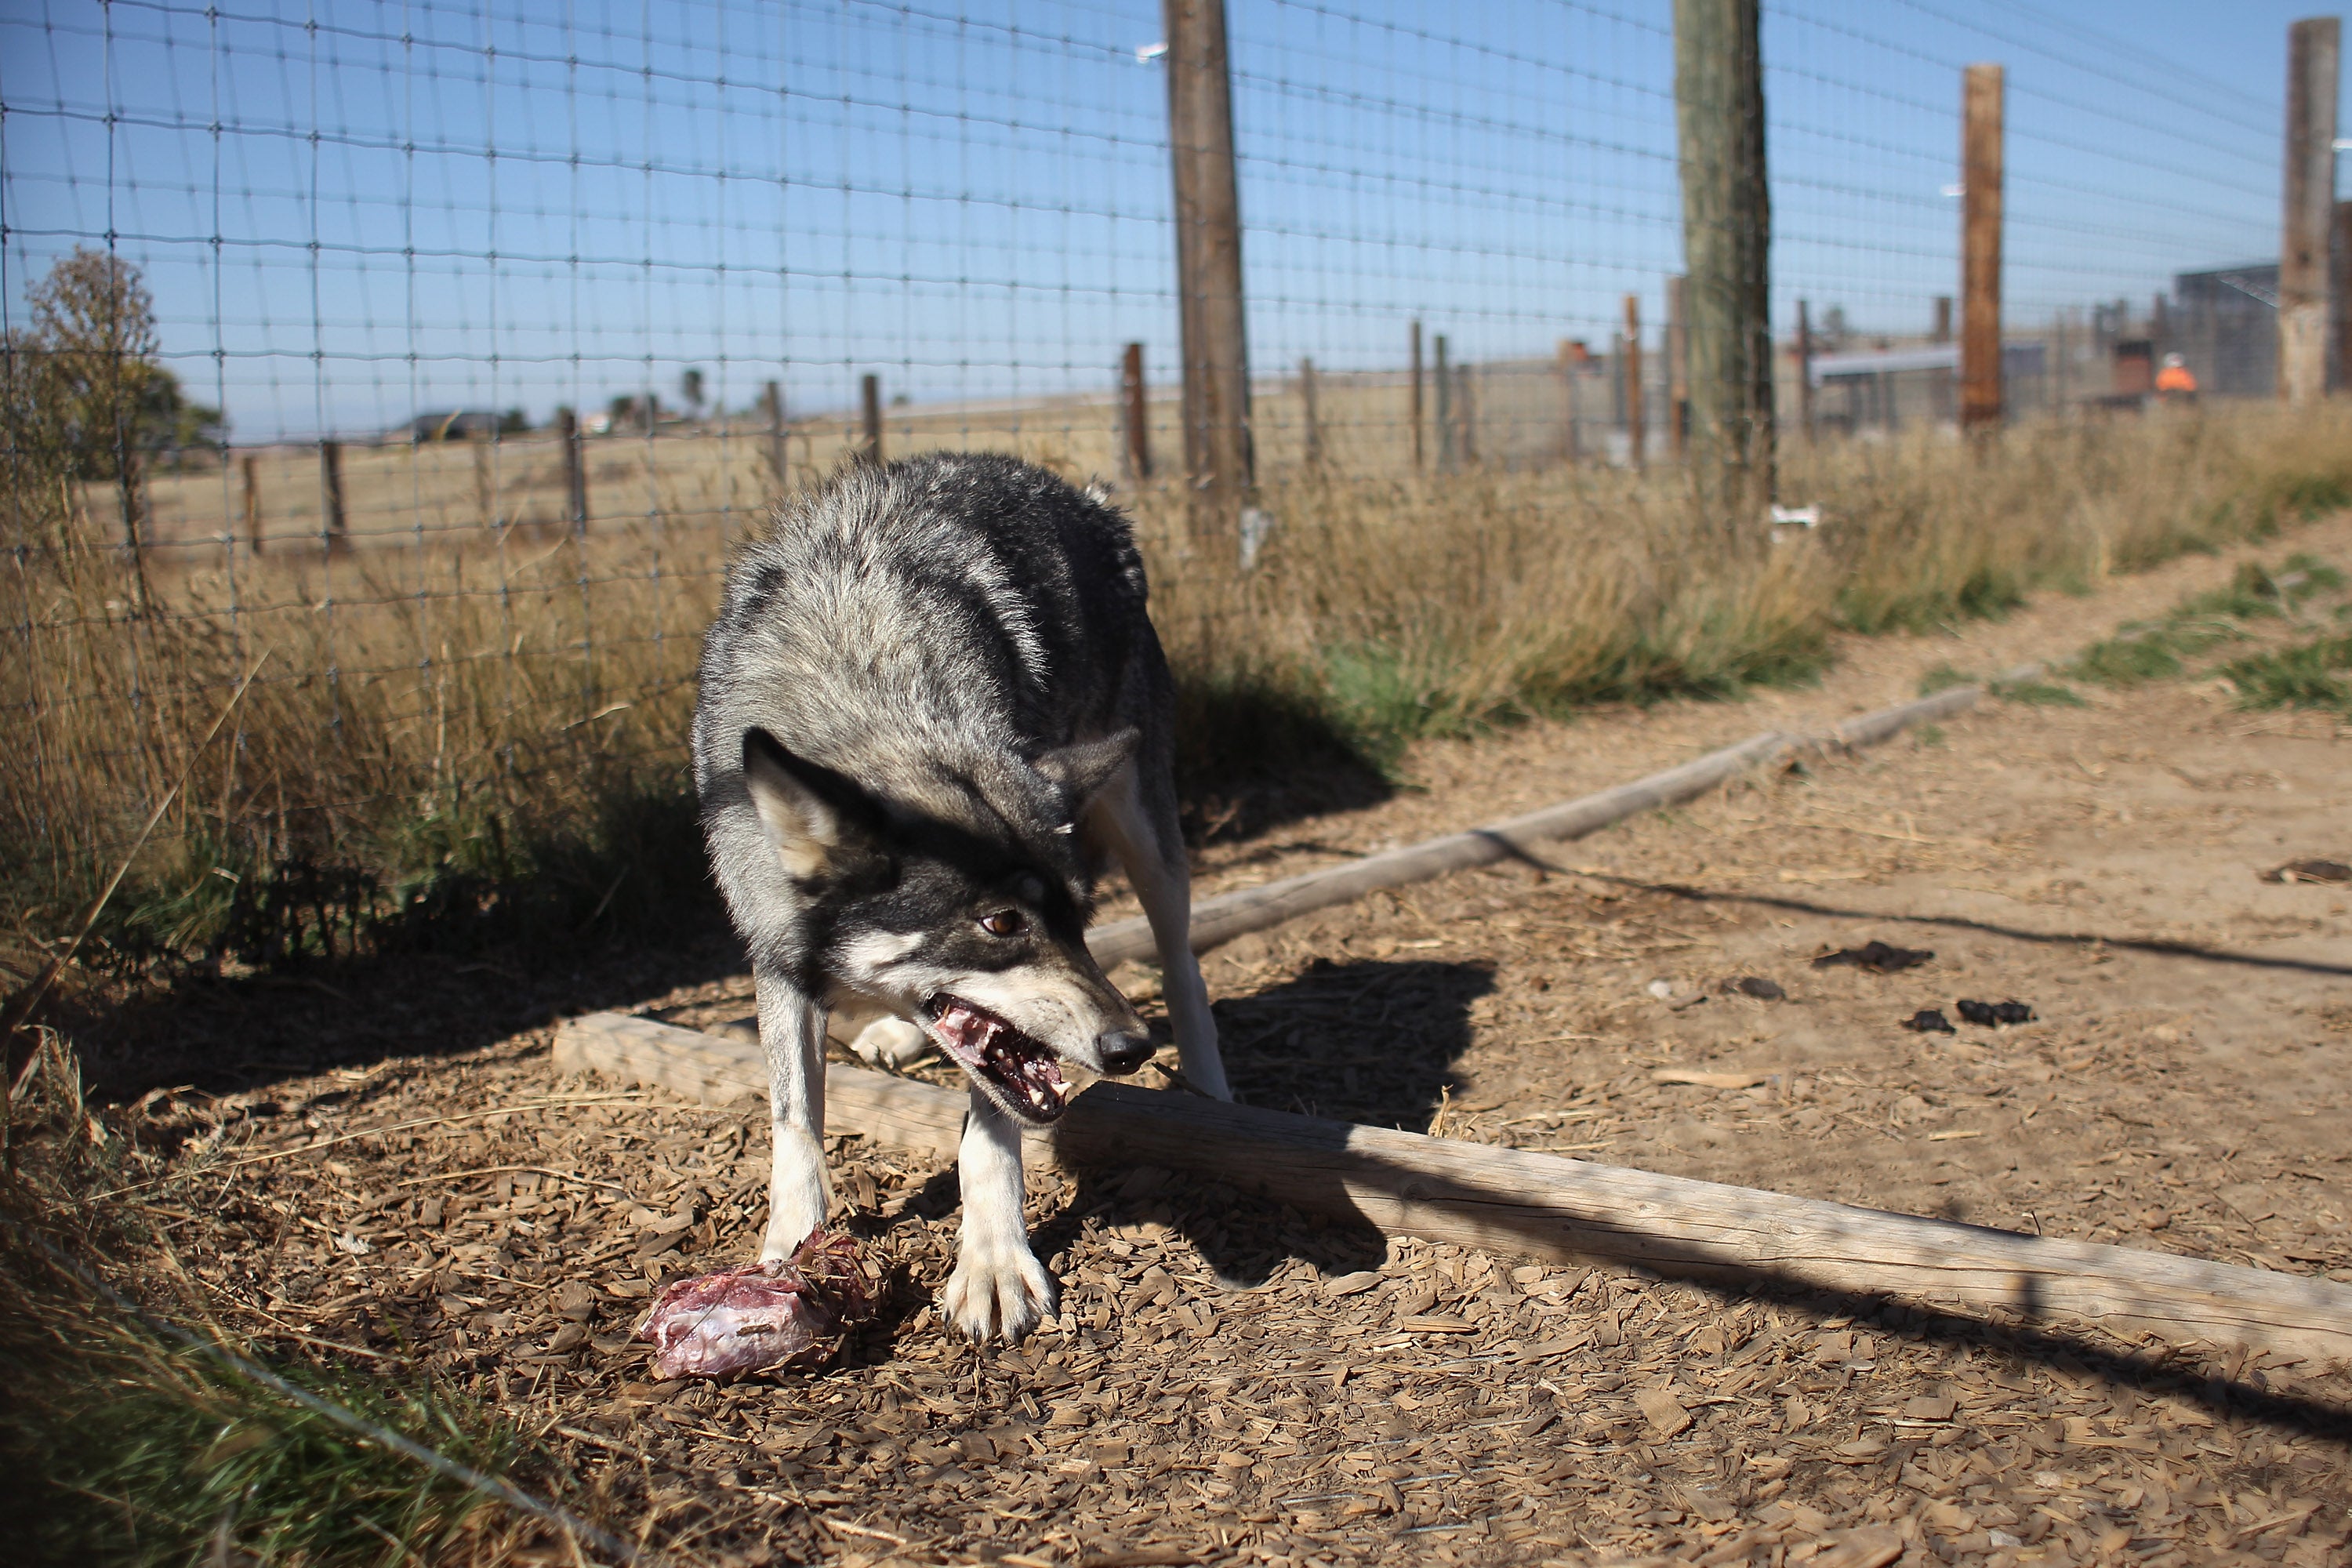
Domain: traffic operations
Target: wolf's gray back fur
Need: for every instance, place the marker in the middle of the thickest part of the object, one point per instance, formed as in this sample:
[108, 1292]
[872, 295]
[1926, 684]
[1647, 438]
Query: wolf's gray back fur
[911, 627]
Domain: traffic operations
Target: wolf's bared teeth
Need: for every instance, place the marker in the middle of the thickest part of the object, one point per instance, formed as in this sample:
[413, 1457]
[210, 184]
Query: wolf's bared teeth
[991, 1048]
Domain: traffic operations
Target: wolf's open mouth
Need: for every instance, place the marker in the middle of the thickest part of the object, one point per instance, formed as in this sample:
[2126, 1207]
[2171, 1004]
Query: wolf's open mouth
[988, 1045]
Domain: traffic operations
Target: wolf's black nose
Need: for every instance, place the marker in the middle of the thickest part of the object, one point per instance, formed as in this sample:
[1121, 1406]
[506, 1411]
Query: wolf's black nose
[1122, 1053]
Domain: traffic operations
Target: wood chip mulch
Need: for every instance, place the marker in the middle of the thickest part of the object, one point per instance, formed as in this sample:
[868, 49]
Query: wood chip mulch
[1229, 1381]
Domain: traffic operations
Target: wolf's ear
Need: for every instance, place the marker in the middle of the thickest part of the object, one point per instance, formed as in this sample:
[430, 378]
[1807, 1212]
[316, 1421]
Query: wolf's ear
[1083, 767]
[814, 819]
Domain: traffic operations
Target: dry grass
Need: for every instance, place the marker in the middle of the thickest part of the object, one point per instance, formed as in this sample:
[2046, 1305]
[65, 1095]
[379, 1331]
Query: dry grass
[466, 731]
[121, 1445]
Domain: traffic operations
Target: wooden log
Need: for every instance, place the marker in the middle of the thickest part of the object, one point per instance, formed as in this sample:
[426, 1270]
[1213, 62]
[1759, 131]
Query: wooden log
[1220, 920]
[726, 1067]
[1869, 729]
[1545, 1205]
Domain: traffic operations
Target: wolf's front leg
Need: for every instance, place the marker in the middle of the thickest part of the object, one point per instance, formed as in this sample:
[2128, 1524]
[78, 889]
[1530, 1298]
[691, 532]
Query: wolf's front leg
[791, 1035]
[998, 1288]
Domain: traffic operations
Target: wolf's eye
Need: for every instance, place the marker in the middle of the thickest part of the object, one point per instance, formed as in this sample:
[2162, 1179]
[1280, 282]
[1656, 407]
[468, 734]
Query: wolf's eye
[1003, 923]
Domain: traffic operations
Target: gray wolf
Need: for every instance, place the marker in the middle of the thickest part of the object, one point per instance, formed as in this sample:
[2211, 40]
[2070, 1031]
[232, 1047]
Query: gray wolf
[931, 711]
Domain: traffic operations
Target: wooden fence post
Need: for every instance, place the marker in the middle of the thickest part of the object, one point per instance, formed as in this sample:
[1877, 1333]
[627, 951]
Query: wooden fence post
[486, 491]
[1980, 203]
[870, 397]
[1726, 244]
[1306, 399]
[1942, 332]
[1636, 417]
[1218, 458]
[1804, 369]
[1677, 368]
[778, 451]
[1444, 379]
[250, 466]
[1414, 396]
[2313, 48]
[1466, 400]
[575, 471]
[2339, 290]
[1565, 354]
[333, 537]
[1135, 404]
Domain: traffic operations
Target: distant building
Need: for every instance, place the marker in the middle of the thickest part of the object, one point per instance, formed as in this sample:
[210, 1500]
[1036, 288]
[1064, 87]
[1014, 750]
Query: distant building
[460, 425]
[2225, 324]
[1887, 388]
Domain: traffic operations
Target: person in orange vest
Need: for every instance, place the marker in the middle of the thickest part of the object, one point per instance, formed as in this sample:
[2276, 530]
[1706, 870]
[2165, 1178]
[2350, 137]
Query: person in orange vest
[2176, 382]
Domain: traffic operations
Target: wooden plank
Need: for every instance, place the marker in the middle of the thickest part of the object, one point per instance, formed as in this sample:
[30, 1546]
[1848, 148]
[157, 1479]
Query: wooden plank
[1545, 1205]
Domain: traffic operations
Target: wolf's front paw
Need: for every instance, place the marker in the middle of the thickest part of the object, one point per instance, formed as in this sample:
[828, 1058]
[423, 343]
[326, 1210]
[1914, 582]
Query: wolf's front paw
[799, 1194]
[998, 1293]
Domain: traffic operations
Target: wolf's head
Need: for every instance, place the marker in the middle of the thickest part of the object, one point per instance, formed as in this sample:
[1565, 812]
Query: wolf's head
[967, 914]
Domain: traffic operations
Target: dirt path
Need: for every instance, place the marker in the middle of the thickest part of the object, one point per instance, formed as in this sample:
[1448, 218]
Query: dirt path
[1230, 1382]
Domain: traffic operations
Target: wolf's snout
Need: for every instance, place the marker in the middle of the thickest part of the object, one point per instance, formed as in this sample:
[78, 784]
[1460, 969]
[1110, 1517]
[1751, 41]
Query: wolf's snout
[1122, 1051]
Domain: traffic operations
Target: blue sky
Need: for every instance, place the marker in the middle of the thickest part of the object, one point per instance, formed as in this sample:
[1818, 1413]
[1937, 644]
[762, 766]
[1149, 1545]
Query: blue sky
[350, 211]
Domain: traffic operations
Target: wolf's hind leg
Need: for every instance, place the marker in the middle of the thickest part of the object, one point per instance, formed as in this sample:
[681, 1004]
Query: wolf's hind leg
[999, 1290]
[792, 1035]
[1136, 817]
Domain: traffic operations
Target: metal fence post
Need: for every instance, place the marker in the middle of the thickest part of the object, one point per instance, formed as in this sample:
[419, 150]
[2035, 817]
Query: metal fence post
[1980, 202]
[1217, 451]
[2313, 48]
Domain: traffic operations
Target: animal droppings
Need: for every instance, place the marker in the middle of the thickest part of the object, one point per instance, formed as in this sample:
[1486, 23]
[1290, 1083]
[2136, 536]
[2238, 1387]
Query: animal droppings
[1992, 1014]
[764, 1316]
[2309, 871]
[1755, 985]
[1928, 1021]
[1878, 957]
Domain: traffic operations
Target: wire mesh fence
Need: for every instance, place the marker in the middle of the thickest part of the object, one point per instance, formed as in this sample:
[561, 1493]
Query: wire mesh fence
[479, 330]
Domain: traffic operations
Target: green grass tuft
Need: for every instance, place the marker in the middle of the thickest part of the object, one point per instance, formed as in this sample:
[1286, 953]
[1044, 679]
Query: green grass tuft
[1943, 678]
[2315, 674]
[2038, 694]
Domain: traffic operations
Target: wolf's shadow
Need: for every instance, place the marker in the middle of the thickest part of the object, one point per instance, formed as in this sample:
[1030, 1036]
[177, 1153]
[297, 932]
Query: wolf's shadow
[1371, 1041]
